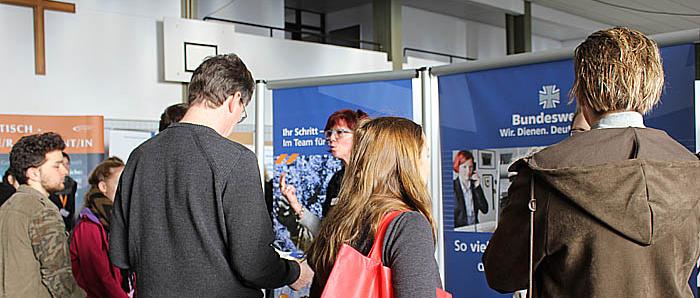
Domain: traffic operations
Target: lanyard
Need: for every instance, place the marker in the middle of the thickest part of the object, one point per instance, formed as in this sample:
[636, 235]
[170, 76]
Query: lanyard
[64, 200]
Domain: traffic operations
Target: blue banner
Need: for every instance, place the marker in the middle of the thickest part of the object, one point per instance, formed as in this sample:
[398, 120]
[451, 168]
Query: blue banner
[464, 272]
[299, 114]
[497, 116]
[511, 107]
[299, 146]
[675, 114]
[301, 152]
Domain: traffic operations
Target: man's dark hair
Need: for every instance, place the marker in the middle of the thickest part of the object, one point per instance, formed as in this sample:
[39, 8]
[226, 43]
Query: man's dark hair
[219, 77]
[30, 151]
[172, 114]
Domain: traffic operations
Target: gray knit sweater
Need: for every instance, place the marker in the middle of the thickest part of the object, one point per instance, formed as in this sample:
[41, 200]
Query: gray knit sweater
[190, 219]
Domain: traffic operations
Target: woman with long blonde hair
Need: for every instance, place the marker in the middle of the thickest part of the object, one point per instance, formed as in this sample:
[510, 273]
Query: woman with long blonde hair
[387, 172]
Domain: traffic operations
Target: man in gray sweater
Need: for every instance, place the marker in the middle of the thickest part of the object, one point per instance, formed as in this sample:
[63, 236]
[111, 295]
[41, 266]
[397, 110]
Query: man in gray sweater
[189, 215]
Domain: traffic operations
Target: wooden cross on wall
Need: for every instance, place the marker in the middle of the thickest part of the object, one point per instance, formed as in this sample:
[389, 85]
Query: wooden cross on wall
[39, 6]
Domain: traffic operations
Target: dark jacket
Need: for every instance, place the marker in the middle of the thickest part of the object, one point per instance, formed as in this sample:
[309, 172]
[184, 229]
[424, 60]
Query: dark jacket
[190, 219]
[89, 249]
[617, 216]
[479, 203]
[65, 200]
[333, 190]
[6, 191]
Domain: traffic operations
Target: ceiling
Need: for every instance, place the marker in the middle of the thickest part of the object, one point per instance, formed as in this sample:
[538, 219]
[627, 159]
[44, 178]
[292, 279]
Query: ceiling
[650, 23]
[325, 6]
[570, 20]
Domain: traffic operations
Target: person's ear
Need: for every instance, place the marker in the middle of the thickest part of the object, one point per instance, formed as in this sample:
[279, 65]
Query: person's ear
[229, 103]
[587, 113]
[235, 100]
[102, 186]
[33, 174]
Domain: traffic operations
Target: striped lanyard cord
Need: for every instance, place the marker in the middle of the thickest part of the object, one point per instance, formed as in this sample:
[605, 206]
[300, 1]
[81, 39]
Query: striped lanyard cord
[532, 205]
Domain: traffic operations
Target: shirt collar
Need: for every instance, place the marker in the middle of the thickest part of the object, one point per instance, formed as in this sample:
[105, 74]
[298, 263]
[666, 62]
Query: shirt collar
[465, 188]
[24, 188]
[620, 120]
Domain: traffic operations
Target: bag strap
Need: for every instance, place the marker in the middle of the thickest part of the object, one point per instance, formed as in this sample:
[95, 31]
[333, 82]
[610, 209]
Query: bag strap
[376, 252]
[532, 205]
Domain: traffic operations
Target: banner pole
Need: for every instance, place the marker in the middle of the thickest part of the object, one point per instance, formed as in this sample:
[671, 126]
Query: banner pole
[260, 127]
[431, 126]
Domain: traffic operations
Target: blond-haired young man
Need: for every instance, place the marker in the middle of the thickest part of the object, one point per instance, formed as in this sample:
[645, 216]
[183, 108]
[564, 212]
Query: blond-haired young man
[617, 206]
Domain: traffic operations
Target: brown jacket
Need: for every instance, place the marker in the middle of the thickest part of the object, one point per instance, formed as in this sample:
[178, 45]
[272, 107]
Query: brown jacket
[34, 257]
[617, 216]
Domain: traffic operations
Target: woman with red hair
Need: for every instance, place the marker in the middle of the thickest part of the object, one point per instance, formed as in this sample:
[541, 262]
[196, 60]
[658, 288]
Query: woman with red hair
[469, 196]
[339, 132]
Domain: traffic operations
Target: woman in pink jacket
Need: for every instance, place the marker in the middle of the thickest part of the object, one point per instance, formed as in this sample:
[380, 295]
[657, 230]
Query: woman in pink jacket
[89, 245]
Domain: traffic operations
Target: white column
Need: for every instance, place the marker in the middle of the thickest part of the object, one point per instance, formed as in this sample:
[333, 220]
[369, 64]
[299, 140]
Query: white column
[260, 127]
[431, 127]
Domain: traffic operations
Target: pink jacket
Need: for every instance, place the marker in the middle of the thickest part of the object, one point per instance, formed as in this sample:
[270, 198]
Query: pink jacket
[89, 255]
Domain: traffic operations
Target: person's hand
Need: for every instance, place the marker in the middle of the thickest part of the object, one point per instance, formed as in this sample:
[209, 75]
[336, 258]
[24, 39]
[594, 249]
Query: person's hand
[290, 192]
[475, 179]
[306, 275]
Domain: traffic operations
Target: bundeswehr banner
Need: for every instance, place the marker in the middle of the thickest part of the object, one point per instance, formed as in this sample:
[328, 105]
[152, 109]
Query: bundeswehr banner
[500, 115]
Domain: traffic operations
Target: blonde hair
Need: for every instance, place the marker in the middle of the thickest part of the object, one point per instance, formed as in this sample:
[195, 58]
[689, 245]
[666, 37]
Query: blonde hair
[618, 69]
[383, 175]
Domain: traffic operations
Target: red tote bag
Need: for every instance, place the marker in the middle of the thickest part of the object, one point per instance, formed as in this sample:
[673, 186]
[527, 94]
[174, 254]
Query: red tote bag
[356, 276]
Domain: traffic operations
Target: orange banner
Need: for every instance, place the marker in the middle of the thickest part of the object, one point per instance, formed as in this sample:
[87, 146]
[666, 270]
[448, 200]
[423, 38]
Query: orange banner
[82, 134]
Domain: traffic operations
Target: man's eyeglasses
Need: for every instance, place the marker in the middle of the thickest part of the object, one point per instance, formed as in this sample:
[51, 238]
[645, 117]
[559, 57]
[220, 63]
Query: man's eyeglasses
[339, 133]
[244, 114]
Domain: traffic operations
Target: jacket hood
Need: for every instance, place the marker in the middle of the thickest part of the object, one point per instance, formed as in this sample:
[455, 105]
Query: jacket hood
[637, 198]
[86, 213]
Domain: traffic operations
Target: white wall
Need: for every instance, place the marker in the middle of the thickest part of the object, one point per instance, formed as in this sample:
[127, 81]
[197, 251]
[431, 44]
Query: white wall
[102, 60]
[442, 33]
[433, 32]
[490, 40]
[267, 58]
[540, 43]
[107, 59]
[437, 32]
[571, 43]
[360, 15]
[262, 12]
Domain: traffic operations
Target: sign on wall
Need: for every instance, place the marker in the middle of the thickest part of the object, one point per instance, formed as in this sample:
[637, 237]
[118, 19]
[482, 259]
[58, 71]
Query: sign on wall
[83, 135]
